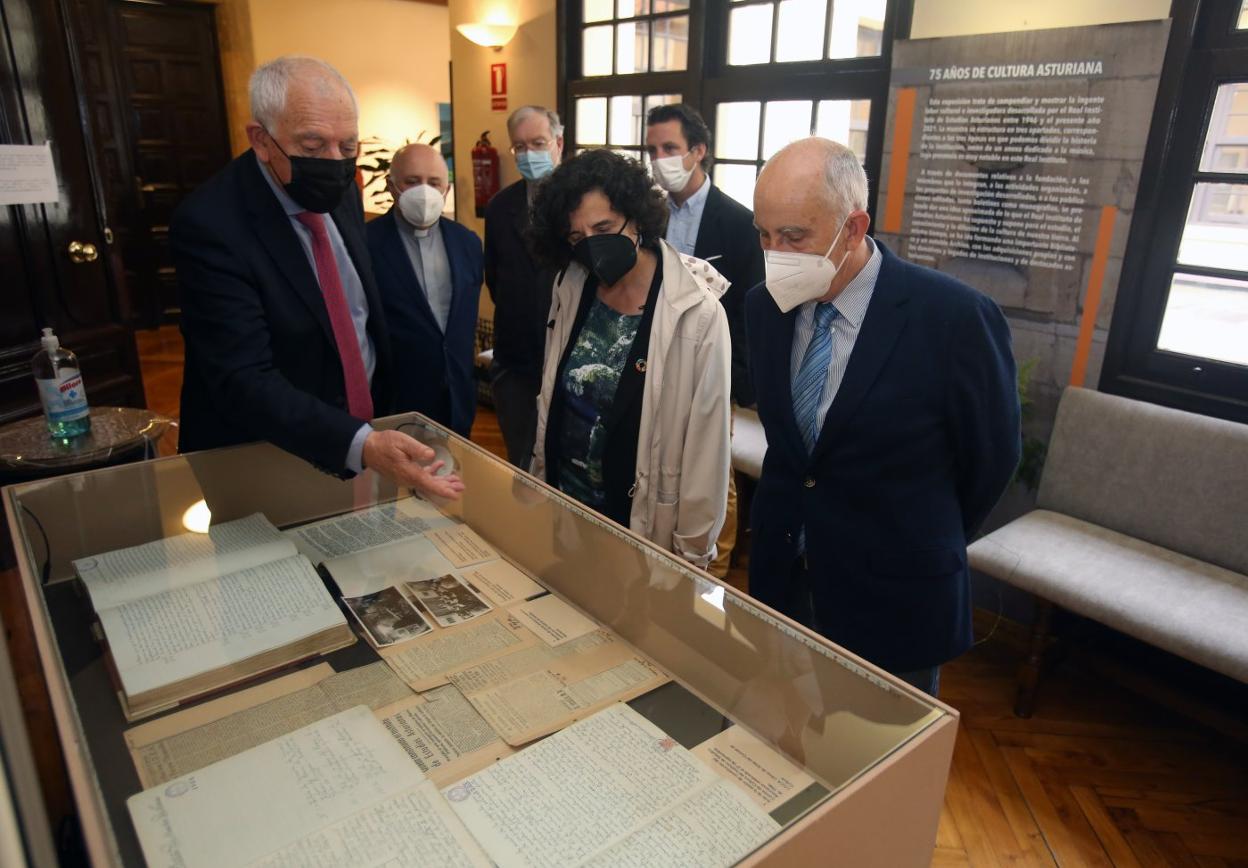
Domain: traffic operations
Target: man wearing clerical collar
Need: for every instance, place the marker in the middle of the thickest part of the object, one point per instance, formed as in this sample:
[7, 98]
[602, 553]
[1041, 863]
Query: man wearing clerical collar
[429, 271]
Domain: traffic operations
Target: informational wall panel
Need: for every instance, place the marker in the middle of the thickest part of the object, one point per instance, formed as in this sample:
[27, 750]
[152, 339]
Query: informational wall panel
[1011, 161]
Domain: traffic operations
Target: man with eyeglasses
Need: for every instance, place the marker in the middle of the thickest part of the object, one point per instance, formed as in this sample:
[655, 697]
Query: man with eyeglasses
[705, 222]
[285, 336]
[519, 288]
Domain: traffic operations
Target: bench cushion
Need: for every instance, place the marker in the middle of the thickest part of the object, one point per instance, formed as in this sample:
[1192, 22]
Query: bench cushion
[1176, 479]
[749, 443]
[1190, 608]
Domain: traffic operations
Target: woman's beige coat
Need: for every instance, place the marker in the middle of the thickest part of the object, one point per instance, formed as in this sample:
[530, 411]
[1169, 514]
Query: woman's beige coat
[683, 451]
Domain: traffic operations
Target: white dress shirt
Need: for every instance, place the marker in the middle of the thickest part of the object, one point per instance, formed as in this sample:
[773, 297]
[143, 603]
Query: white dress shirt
[683, 221]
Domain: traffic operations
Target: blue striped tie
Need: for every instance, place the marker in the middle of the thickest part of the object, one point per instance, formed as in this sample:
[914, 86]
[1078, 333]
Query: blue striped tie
[812, 376]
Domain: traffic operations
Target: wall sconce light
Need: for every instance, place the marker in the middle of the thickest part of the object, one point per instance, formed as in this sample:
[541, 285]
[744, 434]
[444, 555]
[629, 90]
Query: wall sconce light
[488, 35]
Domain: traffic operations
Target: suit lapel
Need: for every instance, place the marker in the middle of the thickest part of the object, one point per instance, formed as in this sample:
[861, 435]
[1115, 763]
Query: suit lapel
[709, 242]
[453, 264]
[881, 326]
[272, 227]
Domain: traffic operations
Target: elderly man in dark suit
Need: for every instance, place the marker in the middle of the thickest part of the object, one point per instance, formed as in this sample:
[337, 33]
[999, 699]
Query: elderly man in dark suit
[285, 336]
[888, 395]
[706, 223]
[519, 288]
[429, 273]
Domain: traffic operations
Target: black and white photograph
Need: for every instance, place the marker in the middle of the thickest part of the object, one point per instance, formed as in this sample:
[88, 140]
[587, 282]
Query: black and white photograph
[388, 616]
[448, 599]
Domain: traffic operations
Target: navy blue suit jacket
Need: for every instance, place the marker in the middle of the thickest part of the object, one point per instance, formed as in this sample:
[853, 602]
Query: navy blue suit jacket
[919, 443]
[433, 370]
[261, 359]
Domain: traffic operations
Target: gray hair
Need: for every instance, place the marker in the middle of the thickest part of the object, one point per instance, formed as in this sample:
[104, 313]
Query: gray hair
[270, 82]
[844, 177]
[527, 111]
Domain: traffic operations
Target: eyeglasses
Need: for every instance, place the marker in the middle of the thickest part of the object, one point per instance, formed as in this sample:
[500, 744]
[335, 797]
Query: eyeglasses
[535, 145]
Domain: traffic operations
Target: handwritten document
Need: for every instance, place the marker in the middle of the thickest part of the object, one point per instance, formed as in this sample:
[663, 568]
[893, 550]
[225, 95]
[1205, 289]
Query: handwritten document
[757, 769]
[602, 791]
[553, 619]
[413, 829]
[462, 545]
[188, 740]
[131, 573]
[272, 796]
[502, 582]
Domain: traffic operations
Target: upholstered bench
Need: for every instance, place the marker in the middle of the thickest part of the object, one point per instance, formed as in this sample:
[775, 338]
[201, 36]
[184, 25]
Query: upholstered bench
[1141, 524]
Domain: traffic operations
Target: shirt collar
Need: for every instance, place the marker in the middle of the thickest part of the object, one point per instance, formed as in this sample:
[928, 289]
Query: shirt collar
[694, 202]
[289, 205]
[852, 301]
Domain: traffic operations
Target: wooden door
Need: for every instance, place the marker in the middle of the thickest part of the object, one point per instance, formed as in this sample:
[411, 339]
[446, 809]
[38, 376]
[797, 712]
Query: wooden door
[39, 284]
[169, 84]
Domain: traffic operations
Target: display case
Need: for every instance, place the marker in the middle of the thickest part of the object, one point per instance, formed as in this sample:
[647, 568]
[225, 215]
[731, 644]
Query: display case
[876, 751]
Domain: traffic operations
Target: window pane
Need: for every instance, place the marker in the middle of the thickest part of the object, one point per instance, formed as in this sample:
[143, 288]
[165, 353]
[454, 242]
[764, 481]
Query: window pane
[845, 121]
[785, 122]
[626, 120]
[749, 35]
[670, 5]
[799, 30]
[629, 8]
[1226, 141]
[597, 10]
[596, 45]
[1216, 234]
[736, 130]
[1206, 317]
[671, 43]
[632, 47]
[857, 28]
[737, 181]
[1243, 16]
[661, 99]
[591, 120]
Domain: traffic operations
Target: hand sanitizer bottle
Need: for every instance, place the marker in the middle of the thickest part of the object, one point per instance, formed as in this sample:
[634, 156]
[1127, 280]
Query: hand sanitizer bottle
[60, 389]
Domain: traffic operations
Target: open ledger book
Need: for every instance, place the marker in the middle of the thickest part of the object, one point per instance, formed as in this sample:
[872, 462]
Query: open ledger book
[191, 614]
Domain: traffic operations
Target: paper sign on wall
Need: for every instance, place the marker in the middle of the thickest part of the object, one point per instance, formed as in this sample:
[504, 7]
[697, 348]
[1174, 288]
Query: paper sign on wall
[27, 175]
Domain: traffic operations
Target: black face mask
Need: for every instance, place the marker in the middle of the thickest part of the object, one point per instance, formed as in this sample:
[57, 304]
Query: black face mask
[318, 184]
[608, 257]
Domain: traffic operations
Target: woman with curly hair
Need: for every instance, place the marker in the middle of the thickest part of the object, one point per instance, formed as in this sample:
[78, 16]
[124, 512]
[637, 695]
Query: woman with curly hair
[632, 419]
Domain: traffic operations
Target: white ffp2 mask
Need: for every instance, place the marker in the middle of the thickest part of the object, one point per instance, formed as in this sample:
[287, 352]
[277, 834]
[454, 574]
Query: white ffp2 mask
[670, 173]
[421, 205]
[796, 278]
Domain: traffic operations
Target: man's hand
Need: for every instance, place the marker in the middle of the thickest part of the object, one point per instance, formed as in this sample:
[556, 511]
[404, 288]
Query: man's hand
[399, 457]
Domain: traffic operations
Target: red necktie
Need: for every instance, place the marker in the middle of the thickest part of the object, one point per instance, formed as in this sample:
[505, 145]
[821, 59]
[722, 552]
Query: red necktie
[359, 398]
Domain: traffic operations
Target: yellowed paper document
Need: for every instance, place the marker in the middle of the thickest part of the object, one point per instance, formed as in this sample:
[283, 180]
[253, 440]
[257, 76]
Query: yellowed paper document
[443, 734]
[608, 789]
[501, 582]
[759, 770]
[553, 619]
[424, 663]
[461, 545]
[189, 740]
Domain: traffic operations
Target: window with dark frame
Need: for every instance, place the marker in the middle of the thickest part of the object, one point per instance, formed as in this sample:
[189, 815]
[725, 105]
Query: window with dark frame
[1179, 335]
[761, 72]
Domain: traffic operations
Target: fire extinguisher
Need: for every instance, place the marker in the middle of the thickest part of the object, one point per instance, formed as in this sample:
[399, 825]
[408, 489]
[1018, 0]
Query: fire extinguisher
[485, 172]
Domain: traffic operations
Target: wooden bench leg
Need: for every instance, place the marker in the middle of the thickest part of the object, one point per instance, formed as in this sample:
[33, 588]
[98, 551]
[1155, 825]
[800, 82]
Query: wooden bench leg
[1029, 670]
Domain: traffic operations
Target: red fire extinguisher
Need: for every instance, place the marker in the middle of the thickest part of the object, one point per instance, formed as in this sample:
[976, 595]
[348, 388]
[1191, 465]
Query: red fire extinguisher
[485, 172]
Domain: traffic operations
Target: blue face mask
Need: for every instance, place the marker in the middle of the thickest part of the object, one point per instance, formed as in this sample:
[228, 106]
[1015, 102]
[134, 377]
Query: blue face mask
[535, 165]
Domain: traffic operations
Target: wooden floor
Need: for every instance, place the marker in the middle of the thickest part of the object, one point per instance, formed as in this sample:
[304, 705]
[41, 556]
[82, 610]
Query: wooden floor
[1100, 776]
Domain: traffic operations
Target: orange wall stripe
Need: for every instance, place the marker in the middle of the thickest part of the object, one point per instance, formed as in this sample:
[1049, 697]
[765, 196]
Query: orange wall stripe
[903, 123]
[1092, 300]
